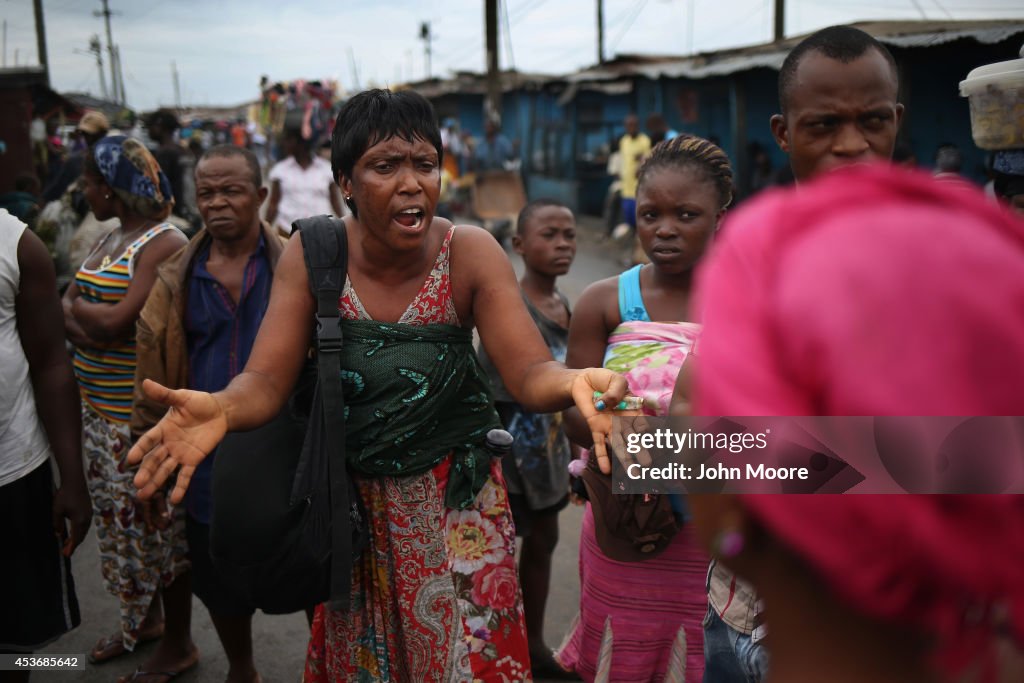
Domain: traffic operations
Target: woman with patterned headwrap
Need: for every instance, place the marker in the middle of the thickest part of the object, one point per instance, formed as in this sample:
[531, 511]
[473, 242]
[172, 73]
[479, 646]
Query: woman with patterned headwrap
[140, 552]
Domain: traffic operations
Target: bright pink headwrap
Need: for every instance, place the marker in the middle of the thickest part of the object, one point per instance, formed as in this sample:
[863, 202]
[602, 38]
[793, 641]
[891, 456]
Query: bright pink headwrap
[877, 291]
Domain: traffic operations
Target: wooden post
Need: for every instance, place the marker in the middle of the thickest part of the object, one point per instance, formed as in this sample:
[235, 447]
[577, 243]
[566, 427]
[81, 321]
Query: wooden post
[40, 39]
[492, 104]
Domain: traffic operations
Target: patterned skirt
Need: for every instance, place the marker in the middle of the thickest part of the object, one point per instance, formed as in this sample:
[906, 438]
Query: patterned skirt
[434, 598]
[639, 621]
[135, 561]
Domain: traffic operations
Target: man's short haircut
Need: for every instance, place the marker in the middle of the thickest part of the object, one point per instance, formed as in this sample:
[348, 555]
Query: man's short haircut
[533, 207]
[229, 151]
[841, 43]
[948, 158]
[376, 115]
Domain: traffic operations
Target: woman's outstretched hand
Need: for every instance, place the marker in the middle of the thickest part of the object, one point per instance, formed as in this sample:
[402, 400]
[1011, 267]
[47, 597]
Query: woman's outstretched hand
[193, 426]
[611, 388]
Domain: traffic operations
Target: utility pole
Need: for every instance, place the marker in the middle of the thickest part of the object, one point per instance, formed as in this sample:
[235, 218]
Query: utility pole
[355, 70]
[5, 44]
[780, 20]
[40, 39]
[600, 31]
[492, 104]
[177, 89]
[122, 98]
[427, 37]
[94, 47]
[96, 51]
[110, 49]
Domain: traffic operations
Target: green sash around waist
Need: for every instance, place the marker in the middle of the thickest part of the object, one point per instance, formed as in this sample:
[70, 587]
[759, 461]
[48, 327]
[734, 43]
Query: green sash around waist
[414, 394]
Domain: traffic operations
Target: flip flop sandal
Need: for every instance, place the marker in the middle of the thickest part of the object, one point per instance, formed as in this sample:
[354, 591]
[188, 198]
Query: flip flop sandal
[107, 648]
[98, 654]
[167, 675]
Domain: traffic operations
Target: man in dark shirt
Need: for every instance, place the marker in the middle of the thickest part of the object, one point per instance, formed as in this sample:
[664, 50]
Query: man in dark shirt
[196, 332]
[161, 127]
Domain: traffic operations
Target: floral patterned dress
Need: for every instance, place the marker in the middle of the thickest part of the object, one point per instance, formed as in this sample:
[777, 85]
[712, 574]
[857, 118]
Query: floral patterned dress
[435, 596]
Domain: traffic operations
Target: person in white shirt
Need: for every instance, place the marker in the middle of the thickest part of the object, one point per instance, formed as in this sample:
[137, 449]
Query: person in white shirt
[41, 523]
[301, 185]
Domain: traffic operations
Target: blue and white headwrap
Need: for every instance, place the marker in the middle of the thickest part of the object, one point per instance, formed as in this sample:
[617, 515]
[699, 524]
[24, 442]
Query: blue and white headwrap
[134, 175]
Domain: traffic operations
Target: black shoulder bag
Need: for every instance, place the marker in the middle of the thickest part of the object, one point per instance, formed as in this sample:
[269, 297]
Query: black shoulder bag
[287, 522]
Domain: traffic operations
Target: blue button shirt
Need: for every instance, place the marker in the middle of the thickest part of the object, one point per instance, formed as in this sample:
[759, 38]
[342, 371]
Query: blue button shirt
[220, 334]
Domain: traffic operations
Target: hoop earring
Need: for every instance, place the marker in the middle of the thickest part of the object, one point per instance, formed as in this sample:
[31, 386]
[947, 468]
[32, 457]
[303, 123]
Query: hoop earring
[729, 544]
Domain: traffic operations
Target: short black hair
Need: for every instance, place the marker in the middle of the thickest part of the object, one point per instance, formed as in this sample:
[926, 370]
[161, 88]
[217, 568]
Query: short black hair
[948, 158]
[229, 151]
[533, 207]
[841, 43]
[376, 115]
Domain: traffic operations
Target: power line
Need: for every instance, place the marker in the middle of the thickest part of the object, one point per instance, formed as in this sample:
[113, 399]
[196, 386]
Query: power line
[508, 34]
[919, 9]
[622, 14]
[639, 7]
[476, 47]
[526, 10]
[944, 10]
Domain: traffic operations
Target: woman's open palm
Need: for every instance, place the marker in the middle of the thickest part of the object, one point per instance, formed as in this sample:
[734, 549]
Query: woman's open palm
[193, 426]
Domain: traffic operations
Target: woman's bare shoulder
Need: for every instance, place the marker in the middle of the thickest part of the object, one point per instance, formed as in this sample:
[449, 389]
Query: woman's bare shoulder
[599, 294]
[475, 249]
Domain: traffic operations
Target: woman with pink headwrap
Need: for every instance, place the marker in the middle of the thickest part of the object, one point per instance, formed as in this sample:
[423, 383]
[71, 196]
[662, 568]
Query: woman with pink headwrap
[872, 291]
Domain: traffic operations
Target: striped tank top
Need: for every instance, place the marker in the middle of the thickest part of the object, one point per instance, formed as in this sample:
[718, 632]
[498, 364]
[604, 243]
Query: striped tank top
[106, 376]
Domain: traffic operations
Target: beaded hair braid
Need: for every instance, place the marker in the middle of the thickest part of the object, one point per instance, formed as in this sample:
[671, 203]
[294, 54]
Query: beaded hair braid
[690, 151]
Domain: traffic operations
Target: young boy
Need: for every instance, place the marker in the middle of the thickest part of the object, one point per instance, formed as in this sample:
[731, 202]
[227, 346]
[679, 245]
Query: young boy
[536, 470]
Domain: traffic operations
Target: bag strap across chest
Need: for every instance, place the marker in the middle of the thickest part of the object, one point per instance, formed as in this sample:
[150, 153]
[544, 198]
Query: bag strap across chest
[325, 246]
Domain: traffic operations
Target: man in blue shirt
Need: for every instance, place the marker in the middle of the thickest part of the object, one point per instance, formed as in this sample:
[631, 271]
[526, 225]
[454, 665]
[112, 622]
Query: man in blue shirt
[196, 332]
[493, 151]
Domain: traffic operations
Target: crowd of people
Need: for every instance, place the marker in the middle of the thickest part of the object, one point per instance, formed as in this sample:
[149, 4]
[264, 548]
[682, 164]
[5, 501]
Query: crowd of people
[867, 289]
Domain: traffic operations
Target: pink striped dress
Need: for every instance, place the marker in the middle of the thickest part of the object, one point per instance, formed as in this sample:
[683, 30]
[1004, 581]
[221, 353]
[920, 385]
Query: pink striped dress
[641, 621]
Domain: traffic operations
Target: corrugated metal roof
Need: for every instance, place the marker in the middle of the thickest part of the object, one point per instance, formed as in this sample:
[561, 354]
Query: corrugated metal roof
[904, 34]
[987, 36]
[771, 60]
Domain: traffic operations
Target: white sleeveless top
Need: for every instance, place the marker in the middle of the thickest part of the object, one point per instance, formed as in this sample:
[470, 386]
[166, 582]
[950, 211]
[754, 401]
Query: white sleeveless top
[23, 443]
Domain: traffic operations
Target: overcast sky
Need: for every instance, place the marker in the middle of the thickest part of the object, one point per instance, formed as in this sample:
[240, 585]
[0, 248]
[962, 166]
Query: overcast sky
[222, 47]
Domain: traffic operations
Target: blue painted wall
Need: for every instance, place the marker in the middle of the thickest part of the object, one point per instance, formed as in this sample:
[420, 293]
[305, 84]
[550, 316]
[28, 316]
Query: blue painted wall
[564, 148]
[936, 113]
